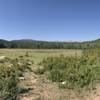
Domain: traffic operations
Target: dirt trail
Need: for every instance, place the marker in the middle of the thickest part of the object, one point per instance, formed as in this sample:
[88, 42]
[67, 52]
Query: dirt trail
[36, 87]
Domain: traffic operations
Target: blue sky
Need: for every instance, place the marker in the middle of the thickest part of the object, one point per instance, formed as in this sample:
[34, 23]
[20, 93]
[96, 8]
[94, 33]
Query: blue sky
[56, 20]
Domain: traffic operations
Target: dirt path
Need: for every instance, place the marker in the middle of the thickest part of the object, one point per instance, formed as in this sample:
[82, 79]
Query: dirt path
[36, 87]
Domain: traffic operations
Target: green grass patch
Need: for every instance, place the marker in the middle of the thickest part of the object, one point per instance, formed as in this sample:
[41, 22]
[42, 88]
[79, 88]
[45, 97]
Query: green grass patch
[10, 70]
[74, 71]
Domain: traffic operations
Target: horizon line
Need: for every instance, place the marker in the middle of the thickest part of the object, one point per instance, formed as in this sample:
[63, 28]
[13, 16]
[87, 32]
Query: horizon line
[50, 40]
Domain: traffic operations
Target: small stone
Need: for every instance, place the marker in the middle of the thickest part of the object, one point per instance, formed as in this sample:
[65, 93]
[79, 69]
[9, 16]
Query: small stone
[21, 78]
[63, 83]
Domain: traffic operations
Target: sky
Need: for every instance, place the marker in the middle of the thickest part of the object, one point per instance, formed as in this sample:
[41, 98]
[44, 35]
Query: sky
[52, 20]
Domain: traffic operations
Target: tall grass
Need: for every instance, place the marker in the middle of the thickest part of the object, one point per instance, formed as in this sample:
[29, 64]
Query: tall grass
[75, 71]
[10, 70]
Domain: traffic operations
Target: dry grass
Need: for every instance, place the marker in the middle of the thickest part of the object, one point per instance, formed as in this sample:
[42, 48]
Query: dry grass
[37, 54]
[41, 87]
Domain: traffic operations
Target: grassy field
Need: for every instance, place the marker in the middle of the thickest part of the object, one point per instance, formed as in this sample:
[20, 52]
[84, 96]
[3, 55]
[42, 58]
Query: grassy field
[56, 74]
[36, 54]
[14, 69]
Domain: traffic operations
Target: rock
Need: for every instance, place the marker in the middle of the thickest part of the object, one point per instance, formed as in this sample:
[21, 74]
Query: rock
[63, 83]
[21, 78]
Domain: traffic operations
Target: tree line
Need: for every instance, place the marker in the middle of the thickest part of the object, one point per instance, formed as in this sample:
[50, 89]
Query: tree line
[33, 44]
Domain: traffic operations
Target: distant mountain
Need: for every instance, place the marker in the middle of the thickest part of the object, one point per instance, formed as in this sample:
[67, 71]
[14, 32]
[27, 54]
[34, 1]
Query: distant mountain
[4, 43]
[25, 40]
[36, 44]
[98, 40]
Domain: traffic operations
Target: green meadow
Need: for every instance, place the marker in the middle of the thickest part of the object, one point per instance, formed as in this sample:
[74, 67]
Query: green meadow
[37, 54]
[25, 71]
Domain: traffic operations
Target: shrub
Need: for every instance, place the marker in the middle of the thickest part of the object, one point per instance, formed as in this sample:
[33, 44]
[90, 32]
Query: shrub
[75, 71]
[10, 70]
[39, 70]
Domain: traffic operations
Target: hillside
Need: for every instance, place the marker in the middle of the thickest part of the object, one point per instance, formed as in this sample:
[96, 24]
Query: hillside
[34, 44]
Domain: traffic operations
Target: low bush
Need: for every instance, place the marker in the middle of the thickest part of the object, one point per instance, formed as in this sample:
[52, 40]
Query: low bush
[74, 71]
[39, 70]
[10, 70]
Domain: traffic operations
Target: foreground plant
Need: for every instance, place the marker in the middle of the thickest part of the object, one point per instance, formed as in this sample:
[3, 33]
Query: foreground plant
[75, 71]
[10, 70]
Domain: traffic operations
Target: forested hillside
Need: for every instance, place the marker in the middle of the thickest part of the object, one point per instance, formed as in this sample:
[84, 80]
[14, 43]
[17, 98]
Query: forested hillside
[33, 44]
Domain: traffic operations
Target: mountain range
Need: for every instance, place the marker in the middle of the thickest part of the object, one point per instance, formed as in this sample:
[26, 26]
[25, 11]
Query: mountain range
[36, 44]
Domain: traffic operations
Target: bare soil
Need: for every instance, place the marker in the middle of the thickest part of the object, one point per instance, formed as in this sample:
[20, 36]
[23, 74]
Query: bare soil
[36, 87]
